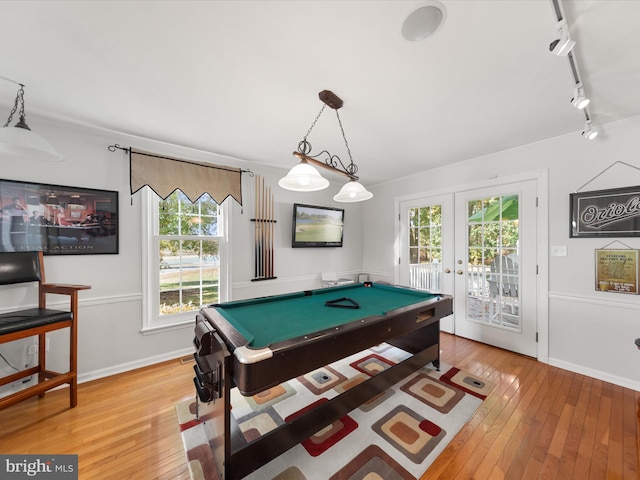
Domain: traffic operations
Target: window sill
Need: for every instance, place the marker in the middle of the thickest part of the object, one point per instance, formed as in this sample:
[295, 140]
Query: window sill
[177, 325]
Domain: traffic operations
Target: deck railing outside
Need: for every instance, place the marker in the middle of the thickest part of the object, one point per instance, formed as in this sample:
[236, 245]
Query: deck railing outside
[428, 276]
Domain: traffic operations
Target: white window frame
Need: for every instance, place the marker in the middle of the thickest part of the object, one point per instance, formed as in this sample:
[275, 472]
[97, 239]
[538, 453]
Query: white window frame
[152, 321]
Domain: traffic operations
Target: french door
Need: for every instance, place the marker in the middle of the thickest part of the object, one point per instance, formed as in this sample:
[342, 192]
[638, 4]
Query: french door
[495, 261]
[427, 234]
[480, 246]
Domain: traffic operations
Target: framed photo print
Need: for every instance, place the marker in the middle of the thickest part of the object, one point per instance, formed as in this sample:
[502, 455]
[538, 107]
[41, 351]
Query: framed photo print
[56, 219]
[617, 271]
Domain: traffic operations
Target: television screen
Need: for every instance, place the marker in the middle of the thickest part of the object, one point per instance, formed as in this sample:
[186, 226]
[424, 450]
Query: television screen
[315, 226]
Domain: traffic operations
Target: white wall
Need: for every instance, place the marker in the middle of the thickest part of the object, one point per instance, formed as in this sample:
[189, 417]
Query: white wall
[589, 332]
[110, 340]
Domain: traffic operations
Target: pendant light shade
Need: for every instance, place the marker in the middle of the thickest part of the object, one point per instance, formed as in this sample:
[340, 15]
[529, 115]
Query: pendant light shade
[353, 192]
[303, 178]
[19, 142]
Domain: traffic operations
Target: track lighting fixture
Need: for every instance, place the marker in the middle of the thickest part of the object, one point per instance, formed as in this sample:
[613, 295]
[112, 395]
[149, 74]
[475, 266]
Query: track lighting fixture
[20, 141]
[562, 45]
[579, 100]
[589, 131]
[304, 177]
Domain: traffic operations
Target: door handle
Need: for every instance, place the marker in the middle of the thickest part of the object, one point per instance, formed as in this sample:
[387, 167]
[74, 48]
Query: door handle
[446, 270]
[459, 272]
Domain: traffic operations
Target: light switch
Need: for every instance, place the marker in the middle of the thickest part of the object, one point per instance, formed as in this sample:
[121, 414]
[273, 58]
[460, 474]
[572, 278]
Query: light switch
[559, 251]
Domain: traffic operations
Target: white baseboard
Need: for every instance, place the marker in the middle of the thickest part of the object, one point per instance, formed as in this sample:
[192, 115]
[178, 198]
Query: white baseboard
[126, 367]
[605, 377]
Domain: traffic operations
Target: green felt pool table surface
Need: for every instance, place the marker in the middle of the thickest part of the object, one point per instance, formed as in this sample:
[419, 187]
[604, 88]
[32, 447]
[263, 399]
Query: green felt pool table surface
[267, 320]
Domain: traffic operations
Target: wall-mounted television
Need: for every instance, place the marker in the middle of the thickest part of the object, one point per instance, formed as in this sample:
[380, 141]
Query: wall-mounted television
[315, 226]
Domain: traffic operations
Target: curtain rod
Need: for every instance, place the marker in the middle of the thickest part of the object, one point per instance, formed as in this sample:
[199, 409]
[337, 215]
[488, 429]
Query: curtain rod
[113, 148]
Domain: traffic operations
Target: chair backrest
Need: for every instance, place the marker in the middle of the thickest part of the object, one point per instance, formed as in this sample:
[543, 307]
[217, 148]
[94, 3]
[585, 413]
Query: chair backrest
[508, 268]
[20, 267]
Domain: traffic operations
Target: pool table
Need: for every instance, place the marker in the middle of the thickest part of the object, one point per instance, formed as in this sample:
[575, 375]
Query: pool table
[259, 343]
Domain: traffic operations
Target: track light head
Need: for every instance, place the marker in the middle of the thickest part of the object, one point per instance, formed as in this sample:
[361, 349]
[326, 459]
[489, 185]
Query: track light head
[562, 45]
[579, 100]
[589, 131]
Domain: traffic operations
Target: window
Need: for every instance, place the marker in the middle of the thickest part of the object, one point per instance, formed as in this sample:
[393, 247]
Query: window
[185, 258]
[425, 247]
[425, 234]
[493, 240]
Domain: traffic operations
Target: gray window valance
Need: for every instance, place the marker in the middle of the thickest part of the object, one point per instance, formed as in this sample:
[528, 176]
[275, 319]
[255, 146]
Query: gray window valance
[166, 174]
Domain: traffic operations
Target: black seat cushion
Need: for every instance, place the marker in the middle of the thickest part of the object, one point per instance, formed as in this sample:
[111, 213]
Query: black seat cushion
[30, 318]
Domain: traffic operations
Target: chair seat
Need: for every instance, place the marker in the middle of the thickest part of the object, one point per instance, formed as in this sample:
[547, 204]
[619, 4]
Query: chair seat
[31, 318]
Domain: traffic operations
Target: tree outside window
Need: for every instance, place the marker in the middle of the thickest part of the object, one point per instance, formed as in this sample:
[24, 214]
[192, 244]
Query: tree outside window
[493, 228]
[425, 235]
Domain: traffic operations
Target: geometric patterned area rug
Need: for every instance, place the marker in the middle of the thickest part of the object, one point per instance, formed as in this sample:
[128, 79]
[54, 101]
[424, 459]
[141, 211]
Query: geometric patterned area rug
[395, 436]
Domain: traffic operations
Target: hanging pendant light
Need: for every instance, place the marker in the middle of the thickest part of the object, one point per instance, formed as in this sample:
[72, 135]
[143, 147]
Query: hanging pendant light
[20, 142]
[304, 177]
[352, 191]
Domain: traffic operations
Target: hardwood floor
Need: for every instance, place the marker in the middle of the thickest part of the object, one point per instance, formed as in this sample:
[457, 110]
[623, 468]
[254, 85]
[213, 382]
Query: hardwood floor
[539, 422]
[124, 426]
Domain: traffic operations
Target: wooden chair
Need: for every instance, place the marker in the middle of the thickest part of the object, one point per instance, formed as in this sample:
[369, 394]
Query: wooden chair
[26, 267]
[504, 283]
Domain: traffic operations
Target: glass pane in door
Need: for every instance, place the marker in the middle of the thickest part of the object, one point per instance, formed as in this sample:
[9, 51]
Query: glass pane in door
[425, 247]
[493, 276]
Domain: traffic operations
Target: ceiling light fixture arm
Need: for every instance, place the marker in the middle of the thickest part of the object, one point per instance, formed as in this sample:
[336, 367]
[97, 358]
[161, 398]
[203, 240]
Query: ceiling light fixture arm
[326, 164]
[331, 162]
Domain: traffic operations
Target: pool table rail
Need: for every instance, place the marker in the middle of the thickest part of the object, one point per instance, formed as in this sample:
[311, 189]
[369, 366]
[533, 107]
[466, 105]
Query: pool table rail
[256, 370]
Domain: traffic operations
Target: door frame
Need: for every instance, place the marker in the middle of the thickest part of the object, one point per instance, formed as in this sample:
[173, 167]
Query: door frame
[542, 241]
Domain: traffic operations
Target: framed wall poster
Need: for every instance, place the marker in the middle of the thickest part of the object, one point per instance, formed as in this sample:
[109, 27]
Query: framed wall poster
[56, 219]
[617, 271]
[605, 213]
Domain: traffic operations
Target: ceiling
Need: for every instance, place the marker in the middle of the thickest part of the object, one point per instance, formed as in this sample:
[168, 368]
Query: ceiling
[241, 78]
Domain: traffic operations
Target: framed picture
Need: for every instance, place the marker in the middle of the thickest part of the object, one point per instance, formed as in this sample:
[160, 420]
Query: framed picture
[56, 219]
[617, 271]
[605, 213]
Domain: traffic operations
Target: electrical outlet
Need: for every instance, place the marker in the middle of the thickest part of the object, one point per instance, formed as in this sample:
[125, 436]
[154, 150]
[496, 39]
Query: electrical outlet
[48, 345]
[33, 349]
